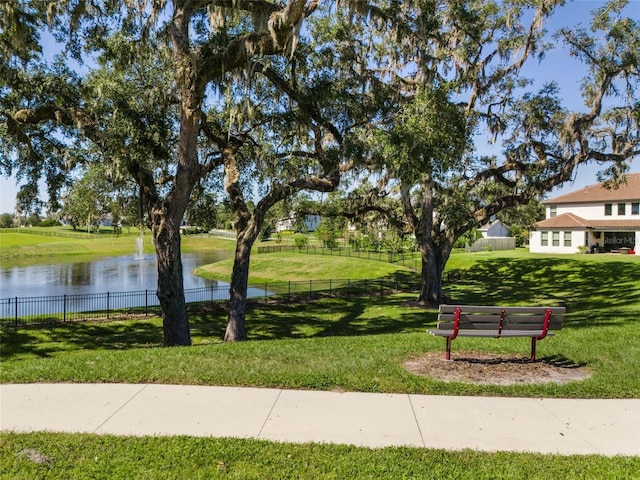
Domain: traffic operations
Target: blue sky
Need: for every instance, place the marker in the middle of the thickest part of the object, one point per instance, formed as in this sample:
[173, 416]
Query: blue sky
[557, 66]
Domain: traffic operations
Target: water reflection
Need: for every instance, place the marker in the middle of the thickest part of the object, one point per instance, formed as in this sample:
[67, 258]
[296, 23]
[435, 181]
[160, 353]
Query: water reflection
[116, 274]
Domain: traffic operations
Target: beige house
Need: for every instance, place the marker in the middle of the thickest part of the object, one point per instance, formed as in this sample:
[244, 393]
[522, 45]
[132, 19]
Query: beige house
[593, 218]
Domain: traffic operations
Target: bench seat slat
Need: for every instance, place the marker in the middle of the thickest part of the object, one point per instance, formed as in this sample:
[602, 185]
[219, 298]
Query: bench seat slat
[490, 333]
[494, 326]
[466, 317]
[497, 309]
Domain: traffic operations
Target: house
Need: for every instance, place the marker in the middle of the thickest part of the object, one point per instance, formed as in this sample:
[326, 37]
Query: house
[494, 228]
[591, 219]
[311, 222]
[495, 236]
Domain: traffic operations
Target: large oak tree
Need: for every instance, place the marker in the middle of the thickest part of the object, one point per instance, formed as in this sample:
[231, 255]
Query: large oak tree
[207, 41]
[454, 69]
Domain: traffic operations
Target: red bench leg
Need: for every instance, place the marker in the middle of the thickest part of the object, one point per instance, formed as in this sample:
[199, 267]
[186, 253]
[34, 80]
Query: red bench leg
[533, 349]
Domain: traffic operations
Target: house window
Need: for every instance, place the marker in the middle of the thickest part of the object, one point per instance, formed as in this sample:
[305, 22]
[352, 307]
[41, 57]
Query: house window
[553, 211]
[635, 208]
[567, 239]
[622, 208]
[608, 209]
[544, 239]
[555, 239]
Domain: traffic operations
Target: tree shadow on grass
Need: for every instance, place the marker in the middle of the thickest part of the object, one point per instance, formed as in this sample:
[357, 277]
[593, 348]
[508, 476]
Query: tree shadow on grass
[46, 341]
[602, 293]
[352, 316]
[595, 294]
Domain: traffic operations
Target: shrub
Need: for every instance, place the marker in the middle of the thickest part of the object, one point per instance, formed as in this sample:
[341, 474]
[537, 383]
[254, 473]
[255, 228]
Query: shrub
[50, 222]
[300, 241]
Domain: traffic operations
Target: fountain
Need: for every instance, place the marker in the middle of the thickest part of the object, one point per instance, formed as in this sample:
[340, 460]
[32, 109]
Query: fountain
[139, 252]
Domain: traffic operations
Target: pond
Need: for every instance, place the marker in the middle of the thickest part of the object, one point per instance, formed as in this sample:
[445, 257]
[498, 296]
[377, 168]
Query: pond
[114, 274]
[105, 284]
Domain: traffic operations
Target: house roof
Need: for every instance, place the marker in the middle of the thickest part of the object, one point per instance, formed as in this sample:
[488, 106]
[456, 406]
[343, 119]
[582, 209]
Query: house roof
[566, 220]
[571, 221]
[598, 193]
[635, 224]
[488, 225]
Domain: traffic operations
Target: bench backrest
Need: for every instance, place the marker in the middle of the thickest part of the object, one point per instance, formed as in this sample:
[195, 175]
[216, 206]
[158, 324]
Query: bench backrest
[478, 317]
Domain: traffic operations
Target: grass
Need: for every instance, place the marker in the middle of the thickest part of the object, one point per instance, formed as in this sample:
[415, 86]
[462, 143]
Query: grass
[321, 351]
[295, 267]
[65, 456]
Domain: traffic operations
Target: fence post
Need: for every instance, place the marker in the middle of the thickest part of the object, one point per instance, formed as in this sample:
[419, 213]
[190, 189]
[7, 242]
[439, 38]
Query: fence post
[64, 307]
[16, 322]
[108, 304]
[146, 302]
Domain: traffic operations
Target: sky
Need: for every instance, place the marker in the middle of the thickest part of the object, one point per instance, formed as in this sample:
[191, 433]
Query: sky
[557, 66]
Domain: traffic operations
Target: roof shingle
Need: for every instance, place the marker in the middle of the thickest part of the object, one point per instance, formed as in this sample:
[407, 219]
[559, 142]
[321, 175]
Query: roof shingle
[569, 220]
[598, 194]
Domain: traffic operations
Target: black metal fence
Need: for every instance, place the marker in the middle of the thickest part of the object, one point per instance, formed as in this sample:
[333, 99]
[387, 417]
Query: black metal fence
[111, 306]
[45, 232]
[23, 311]
[406, 259]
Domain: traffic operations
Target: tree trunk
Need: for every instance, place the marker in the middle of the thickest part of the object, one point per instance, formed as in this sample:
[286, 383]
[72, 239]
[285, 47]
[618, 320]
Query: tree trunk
[166, 215]
[435, 255]
[236, 328]
[175, 323]
[246, 236]
[431, 275]
[433, 244]
[247, 225]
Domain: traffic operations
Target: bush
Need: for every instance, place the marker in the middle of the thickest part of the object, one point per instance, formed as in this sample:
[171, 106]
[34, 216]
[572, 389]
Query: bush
[6, 220]
[300, 241]
[50, 222]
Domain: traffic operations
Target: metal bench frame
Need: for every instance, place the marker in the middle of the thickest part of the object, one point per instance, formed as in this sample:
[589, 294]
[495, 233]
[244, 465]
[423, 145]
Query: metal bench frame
[495, 321]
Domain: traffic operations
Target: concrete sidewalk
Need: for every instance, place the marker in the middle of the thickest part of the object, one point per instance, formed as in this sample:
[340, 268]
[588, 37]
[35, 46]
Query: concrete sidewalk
[558, 426]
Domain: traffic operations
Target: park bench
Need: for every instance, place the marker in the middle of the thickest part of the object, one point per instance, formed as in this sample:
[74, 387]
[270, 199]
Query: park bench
[494, 321]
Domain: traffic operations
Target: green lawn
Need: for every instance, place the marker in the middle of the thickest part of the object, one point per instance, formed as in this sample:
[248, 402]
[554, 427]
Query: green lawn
[295, 267]
[75, 456]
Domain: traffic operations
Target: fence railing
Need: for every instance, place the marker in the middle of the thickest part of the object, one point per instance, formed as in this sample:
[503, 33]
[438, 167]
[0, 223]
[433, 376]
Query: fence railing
[221, 233]
[55, 233]
[23, 311]
[111, 306]
[406, 259]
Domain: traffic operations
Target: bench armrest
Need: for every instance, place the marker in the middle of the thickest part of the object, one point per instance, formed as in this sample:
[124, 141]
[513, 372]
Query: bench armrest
[545, 325]
[456, 324]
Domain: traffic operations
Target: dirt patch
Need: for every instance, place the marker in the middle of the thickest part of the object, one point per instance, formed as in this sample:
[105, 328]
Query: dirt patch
[487, 369]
